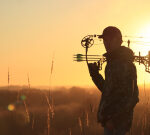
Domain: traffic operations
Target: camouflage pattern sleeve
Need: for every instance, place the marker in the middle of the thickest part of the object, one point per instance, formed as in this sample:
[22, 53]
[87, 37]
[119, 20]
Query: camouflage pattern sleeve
[98, 81]
[121, 91]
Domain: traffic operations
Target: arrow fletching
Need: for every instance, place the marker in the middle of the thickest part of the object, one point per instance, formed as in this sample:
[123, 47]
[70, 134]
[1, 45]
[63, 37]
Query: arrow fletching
[81, 57]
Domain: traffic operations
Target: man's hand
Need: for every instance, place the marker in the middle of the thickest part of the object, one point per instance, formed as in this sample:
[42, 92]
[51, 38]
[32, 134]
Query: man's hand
[109, 125]
[93, 68]
[96, 76]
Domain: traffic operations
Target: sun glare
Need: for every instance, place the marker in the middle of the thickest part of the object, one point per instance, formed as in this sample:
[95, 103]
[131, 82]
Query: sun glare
[143, 43]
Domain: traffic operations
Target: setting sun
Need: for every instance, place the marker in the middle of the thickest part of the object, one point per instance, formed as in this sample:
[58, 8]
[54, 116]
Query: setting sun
[142, 43]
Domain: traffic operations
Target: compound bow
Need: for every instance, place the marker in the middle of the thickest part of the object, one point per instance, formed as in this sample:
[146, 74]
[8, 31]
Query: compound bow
[88, 41]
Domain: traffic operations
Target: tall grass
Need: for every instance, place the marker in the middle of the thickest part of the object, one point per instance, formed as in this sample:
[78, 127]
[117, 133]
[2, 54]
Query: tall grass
[73, 112]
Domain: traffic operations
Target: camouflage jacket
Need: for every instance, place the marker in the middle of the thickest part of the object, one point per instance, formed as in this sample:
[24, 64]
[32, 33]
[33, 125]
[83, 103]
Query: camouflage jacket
[119, 89]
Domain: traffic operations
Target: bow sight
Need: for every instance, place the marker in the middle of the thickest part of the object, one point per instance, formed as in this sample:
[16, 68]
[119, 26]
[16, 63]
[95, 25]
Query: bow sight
[88, 41]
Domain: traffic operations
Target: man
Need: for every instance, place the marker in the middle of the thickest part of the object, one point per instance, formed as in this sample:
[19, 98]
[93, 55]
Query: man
[119, 89]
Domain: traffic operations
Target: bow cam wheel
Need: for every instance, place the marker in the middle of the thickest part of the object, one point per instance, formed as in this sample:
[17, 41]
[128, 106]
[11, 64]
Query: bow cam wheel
[87, 41]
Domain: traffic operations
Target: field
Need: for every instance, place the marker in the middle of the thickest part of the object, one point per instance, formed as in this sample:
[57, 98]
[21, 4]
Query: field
[61, 111]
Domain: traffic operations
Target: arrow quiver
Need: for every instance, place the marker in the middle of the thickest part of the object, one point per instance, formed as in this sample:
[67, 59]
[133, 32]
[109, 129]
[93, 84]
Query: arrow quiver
[88, 41]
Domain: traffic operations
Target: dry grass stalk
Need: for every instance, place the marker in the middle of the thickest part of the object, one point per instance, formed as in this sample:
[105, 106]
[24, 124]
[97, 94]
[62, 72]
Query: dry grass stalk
[52, 108]
[48, 102]
[51, 105]
[48, 122]
[92, 107]
[80, 124]
[32, 124]
[27, 112]
[28, 81]
[52, 67]
[70, 132]
[87, 119]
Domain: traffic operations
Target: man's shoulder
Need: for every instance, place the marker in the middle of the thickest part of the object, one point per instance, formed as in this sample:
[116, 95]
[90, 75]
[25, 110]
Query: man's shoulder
[119, 68]
[117, 64]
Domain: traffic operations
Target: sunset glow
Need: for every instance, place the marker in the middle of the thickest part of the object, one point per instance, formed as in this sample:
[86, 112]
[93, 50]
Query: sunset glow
[33, 31]
[144, 41]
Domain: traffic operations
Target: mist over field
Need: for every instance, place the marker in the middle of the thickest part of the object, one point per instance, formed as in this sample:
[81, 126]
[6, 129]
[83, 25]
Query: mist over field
[63, 111]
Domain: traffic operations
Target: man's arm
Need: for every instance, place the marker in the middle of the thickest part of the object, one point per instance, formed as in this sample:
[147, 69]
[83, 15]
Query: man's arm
[96, 77]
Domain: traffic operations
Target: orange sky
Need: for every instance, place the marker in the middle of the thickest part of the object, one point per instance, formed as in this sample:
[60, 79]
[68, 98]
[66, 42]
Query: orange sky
[33, 30]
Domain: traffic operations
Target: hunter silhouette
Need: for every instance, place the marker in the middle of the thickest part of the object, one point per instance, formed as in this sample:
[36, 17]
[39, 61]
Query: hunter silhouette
[119, 89]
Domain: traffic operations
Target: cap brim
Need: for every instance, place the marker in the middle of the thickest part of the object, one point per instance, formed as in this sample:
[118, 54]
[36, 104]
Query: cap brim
[100, 36]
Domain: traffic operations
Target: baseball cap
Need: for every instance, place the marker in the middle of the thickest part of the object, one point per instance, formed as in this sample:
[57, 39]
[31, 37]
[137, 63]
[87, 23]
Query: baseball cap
[111, 31]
